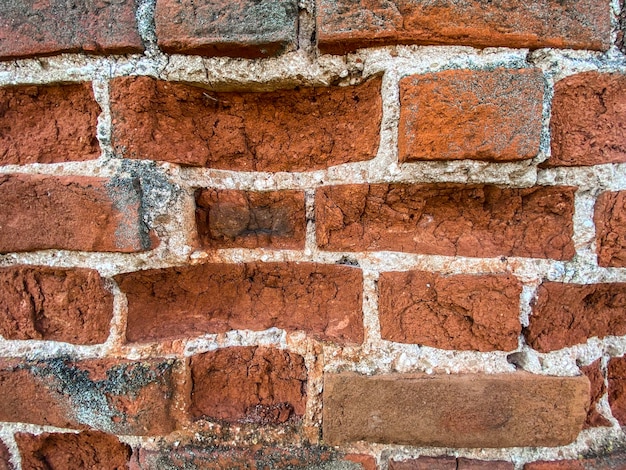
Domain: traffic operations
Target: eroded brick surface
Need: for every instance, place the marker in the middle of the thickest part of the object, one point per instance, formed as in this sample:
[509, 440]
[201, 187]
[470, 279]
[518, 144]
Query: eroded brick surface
[424, 463]
[5, 458]
[616, 375]
[447, 219]
[47, 123]
[287, 130]
[244, 28]
[322, 300]
[568, 314]
[595, 375]
[467, 114]
[38, 302]
[251, 219]
[466, 312]
[610, 220]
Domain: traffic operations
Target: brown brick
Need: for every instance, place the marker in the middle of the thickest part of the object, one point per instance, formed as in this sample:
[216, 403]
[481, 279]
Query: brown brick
[5, 458]
[471, 464]
[555, 465]
[71, 213]
[250, 219]
[367, 462]
[610, 221]
[424, 463]
[598, 389]
[244, 28]
[48, 123]
[467, 312]
[64, 451]
[466, 114]
[345, 25]
[447, 219]
[588, 120]
[250, 384]
[616, 375]
[115, 396]
[507, 410]
[33, 28]
[57, 304]
[322, 300]
[287, 130]
[568, 314]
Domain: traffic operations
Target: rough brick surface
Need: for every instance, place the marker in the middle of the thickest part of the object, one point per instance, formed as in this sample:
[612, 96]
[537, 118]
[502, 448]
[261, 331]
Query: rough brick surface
[614, 461]
[70, 305]
[596, 378]
[345, 25]
[34, 28]
[467, 114]
[507, 410]
[366, 462]
[115, 396]
[471, 464]
[288, 130]
[72, 213]
[247, 219]
[322, 300]
[447, 219]
[424, 463]
[555, 465]
[245, 28]
[5, 458]
[568, 314]
[250, 384]
[588, 120]
[465, 312]
[56, 451]
[616, 375]
[610, 220]
[48, 123]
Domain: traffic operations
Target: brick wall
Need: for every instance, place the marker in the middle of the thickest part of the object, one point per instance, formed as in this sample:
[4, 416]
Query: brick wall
[325, 234]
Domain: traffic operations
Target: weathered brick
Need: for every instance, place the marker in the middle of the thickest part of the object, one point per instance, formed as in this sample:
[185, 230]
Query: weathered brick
[588, 120]
[507, 410]
[555, 465]
[610, 220]
[598, 389]
[447, 219]
[424, 463]
[345, 25]
[244, 28]
[616, 375]
[568, 314]
[249, 384]
[71, 213]
[5, 458]
[322, 300]
[614, 461]
[65, 451]
[287, 130]
[472, 464]
[34, 28]
[466, 114]
[367, 462]
[251, 219]
[38, 302]
[48, 123]
[467, 312]
[111, 395]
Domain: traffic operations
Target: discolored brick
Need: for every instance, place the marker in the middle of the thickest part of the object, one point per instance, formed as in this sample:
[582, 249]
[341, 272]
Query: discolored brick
[610, 220]
[5, 458]
[616, 375]
[595, 375]
[473, 464]
[424, 463]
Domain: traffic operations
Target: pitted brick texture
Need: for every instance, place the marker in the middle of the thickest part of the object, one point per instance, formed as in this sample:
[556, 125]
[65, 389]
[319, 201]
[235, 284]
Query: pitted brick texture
[568, 314]
[243, 28]
[616, 375]
[324, 301]
[596, 378]
[48, 123]
[447, 219]
[466, 114]
[610, 220]
[448, 463]
[249, 384]
[288, 130]
[465, 312]
[250, 219]
[38, 302]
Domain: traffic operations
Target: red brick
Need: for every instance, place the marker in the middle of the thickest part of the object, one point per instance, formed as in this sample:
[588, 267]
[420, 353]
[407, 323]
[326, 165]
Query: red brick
[598, 389]
[447, 219]
[249, 384]
[507, 410]
[610, 221]
[471, 464]
[466, 114]
[367, 462]
[5, 458]
[286, 130]
[244, 28]
[616, 375]
[588, 120]
[71, 213]
[48, 123]
[59, 451]
[115, 396]
[57, 304]
[344, 25]
[424, 463]
[467, 312]
[322, 300]
[51, 27]
[555, 465]
[567, 314]
[250, 219]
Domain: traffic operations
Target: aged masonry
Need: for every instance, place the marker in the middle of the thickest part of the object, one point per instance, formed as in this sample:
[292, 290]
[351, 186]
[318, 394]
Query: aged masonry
[318, 234]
